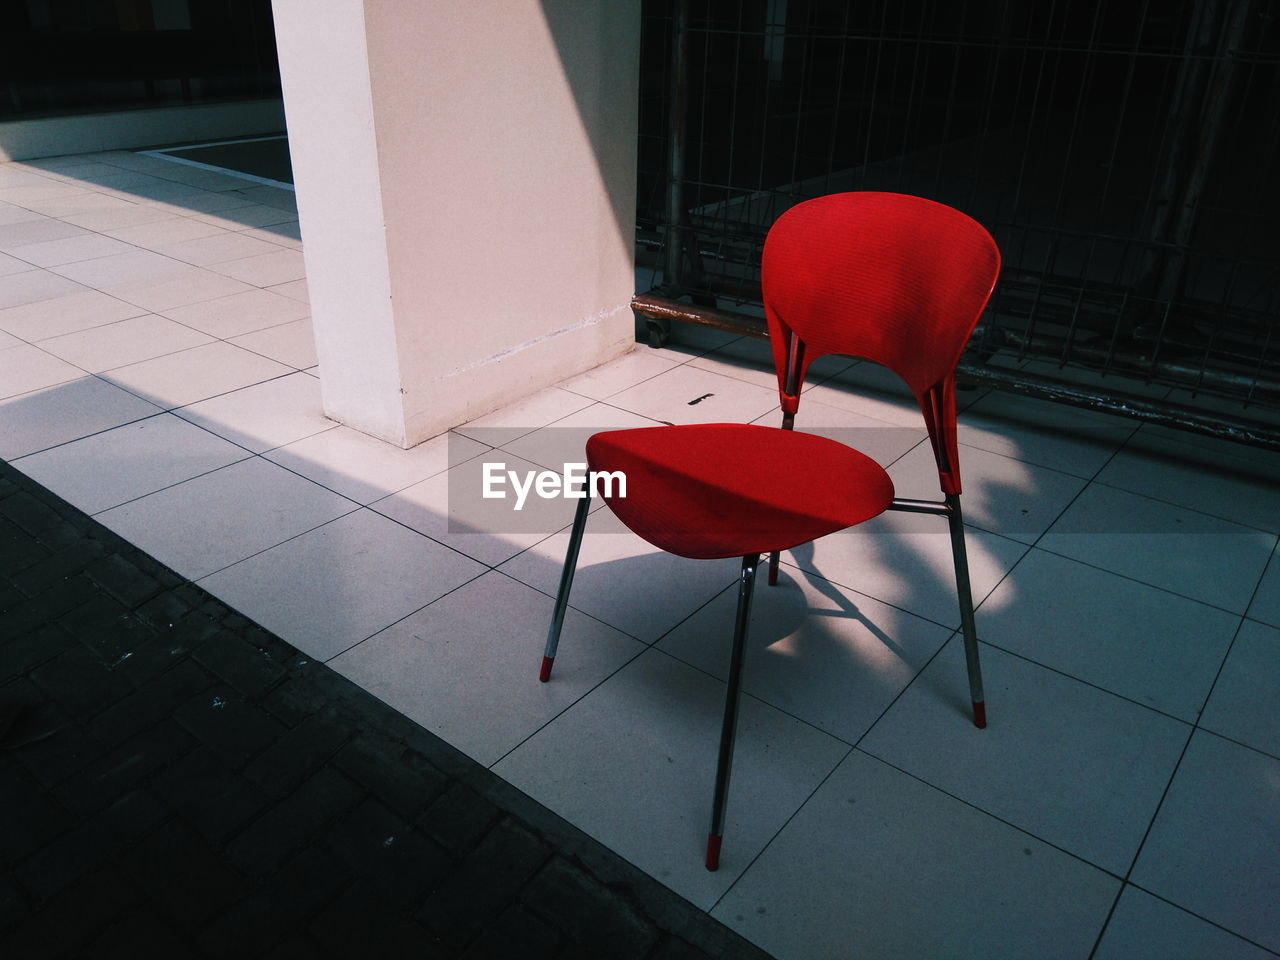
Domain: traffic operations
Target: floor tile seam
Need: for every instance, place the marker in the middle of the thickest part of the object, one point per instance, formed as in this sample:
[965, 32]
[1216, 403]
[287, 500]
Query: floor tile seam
[53, 385]
[187, 403]
[105, 326]
[1106, 922]
[199, 581]
[1159, 805]
[953, 627]
[368, 506]
[996, 817]
[1085, 476]
[1124, 447]
[1133, 579]
[1089, 481]
[329, 660]
[491, 767]
[492, 566]
[94, 433]
[211, 264]
[1200, 917]
[1026, 658]
[48, 267]
[604, 403]
[1182, 506]
[781, 828]
[568, 389]
[214, 337]
[53, 486]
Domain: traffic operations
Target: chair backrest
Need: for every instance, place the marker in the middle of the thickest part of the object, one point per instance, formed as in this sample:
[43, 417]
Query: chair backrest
[895, 279]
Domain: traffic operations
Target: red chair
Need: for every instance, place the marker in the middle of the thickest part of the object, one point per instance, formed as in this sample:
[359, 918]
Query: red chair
[894, 279]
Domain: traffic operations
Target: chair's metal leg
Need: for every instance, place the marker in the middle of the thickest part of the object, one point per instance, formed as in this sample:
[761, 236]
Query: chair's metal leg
[729, 730]
[967, 626]
[773, 569]
[566, 581]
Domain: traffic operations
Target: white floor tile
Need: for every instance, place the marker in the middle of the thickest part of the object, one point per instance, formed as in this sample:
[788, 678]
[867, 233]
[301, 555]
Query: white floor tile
[265, 415]
[878, 864]
[328, 589]
[31, 286]
[883, 442]
[362, 467]
[251, 215]
[1214, 848]
[46, 418]
[1245, 705]
[131, 461]
[297, 289]
[8, 340]
[65, 314]
[471, 676]
[179, 379]
[118, 216]
[450, 507]
[870, 390]
[517, 419]
[1221, 479]
[266, 269]
[564, 441]
[214, 520]
[219, 248]
[292, 343]
[906, 560]
[751, 360]
[1005, 496]
[1190, 553]
[10, 265]
[25, 368]
[617, 375]
[204, 201]
[124, 342]
[687, 394]
[271, 196]
[1128, 638]
[178, 291]
[240, 313]
[52, 253]
[1068, 439]
[121, 271]
[164, 231]
[815, 650]
[624, 581]
[1075, 766]
[1146, 928]
[12, 213]
[633, 765]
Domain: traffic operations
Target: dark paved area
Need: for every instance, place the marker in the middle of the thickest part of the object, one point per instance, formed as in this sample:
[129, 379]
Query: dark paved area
[175, 781]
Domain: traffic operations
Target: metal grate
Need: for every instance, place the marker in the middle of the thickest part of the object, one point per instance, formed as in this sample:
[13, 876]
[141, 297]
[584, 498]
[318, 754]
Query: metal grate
[1123, 155]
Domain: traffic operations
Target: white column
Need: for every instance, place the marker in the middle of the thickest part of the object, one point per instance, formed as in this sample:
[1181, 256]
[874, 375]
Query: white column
[466, 189]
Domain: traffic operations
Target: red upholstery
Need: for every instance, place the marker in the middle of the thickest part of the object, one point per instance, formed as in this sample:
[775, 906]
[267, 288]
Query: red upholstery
[728, 490]
[895, 279]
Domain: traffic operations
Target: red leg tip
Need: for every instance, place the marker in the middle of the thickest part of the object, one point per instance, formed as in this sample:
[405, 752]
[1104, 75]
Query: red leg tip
[713, 852]
[979, 714]
[545, 673]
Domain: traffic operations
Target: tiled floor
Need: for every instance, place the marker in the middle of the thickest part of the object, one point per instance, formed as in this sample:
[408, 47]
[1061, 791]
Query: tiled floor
[156, 370]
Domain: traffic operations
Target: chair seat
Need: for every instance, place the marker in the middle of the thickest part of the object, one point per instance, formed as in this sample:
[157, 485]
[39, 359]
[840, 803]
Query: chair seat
[716, 490]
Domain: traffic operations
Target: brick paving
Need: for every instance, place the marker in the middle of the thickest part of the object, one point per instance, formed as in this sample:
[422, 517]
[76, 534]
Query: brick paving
[175, 780]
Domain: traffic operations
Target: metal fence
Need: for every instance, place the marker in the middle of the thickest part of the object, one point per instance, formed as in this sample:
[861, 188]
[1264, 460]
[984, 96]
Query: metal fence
[1126, 157]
